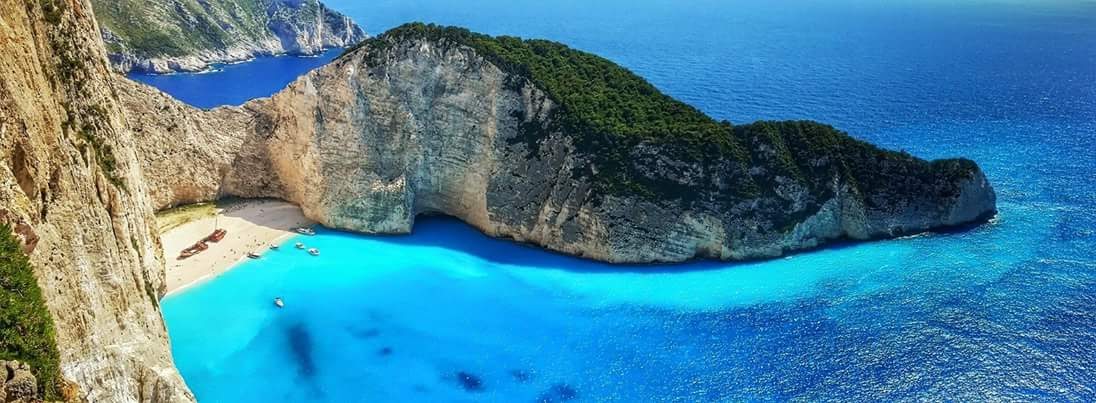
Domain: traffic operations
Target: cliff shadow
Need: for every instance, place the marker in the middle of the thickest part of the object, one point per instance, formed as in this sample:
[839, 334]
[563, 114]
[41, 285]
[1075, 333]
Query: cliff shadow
[452, 233]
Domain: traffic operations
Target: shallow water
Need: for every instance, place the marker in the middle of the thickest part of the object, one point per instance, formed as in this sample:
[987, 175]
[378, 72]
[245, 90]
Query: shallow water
[1004, 311]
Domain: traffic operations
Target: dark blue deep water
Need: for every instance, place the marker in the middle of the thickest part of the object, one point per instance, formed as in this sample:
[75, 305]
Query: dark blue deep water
[1002, 312]
[234, 84]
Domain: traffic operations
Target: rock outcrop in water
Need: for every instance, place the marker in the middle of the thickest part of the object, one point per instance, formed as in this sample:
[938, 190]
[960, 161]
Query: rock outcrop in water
[163, 36]
[429, 120]
[72, 189]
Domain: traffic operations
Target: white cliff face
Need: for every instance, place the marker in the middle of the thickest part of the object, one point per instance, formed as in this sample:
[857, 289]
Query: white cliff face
[71, 185]
[435, 129]
[186, 152]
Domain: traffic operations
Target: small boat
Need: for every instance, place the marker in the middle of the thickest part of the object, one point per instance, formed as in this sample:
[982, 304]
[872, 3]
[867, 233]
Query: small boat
[278, 302]
[300, 245]
[253, 255]
[306, 231]
[216, 236]
[314, 252]
[274, 247]
[195, 249]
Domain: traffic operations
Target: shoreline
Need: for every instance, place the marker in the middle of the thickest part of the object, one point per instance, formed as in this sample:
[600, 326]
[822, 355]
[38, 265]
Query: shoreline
[138, 66]
[252, 225]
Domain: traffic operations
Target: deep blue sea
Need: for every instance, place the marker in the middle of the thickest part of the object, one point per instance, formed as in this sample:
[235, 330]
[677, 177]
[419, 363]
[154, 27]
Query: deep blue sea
[234, 84]
[1002, 312]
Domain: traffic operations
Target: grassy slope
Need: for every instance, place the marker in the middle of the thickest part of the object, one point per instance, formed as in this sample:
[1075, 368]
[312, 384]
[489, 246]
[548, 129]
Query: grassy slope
[176, 28]
[169, 219]
[609, 110]
[26, 328]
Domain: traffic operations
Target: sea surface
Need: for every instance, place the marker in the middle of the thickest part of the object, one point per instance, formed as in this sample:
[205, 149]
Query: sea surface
[1002, 312]
[234, 84]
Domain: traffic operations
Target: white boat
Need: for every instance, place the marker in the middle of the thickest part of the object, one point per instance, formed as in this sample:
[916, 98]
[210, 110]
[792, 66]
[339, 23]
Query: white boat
[306, 231]
[278, 302]
[300, 245]
[253, 255]
[273, 247]
[314, 252]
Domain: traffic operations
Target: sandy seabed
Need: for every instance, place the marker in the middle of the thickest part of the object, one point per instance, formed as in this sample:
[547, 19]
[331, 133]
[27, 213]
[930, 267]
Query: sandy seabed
[252, 225]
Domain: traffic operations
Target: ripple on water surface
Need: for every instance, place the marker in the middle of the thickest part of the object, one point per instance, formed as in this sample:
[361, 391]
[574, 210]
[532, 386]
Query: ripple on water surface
[447, 314]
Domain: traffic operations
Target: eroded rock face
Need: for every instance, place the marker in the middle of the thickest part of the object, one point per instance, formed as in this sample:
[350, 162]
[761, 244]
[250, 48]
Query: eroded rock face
[185, 153]
[72, 187]
[368, 145]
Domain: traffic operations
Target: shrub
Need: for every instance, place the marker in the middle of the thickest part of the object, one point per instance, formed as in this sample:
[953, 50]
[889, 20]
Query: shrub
[26, 327]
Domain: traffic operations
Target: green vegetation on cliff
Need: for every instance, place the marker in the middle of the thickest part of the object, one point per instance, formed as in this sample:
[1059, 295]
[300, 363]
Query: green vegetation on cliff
[600, 97]
[628, 128]
[607, 109]
[158, 28]
[26, 328]
[812, 153]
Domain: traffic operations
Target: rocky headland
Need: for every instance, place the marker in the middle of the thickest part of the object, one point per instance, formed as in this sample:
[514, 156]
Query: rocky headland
[583, 158]
[159, 36]
[434, 120]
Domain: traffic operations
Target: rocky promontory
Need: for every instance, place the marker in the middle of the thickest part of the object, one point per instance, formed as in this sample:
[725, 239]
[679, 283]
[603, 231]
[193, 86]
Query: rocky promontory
[599, 164]
[161, 36]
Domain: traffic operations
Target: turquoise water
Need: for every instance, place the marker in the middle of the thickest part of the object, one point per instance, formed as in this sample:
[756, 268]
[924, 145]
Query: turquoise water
[1003, 311]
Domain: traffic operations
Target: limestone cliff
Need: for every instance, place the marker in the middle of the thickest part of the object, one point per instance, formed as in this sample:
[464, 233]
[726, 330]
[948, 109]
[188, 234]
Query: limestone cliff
[162, 36]
[422, 123]
[71, 186]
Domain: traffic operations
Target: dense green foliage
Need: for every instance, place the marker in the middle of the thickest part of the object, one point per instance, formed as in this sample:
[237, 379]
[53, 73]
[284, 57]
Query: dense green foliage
[26, 328]
[615, 117]
[182, 27]
[812, 153]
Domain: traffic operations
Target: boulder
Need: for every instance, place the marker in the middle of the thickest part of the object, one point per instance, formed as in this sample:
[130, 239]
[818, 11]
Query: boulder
[19, 384]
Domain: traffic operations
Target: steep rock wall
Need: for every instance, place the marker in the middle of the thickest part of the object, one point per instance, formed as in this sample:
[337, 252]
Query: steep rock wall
[71, 185]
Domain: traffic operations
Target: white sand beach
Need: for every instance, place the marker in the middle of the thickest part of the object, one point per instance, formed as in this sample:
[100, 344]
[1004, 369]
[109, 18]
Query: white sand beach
[252, 226]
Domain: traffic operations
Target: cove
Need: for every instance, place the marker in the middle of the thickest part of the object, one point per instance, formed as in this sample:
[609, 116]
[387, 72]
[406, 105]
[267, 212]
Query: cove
[447, 314]
[234, 84]
[1004, 311]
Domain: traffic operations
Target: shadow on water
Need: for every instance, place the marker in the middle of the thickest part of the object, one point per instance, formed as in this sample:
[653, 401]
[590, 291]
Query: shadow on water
[559, 392]
[300, 345]
[469, 382]
[451, 233]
